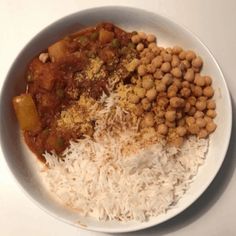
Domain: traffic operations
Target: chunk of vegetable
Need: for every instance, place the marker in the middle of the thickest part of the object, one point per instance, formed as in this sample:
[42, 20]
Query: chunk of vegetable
[26, 113]
[55, 142]
[58, 50]
[42, 73]
[106, 54]
[94, 36]
[105, 36]
[48, 101]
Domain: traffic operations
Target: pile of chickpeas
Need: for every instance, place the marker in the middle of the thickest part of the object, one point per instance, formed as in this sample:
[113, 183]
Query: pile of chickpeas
[169, 92]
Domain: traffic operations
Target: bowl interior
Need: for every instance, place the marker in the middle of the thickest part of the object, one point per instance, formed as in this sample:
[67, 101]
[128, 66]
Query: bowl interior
[24, 165]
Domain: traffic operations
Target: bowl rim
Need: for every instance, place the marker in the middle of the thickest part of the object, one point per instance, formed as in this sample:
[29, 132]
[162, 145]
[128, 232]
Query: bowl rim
[138, 226]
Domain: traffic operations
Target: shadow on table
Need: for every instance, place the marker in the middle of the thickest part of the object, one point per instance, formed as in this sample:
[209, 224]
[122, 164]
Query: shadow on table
[206, 201]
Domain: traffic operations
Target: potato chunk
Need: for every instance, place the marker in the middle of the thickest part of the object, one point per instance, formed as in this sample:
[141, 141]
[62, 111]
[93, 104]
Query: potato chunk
[58, 50]
[105, 36]
[42, 74]
[26, 113]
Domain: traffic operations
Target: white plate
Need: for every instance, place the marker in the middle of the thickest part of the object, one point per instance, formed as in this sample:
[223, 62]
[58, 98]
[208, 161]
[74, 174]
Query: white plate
[23, 164]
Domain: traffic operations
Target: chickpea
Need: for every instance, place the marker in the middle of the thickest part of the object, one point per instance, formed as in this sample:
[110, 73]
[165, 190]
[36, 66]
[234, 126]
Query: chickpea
[178, 141]
[181, 131]
[196, 69]
[197, 62]
[181, 122]
[148, 120]
[158, 74]
[138, 82]
[211, 104]
[177, 83]
[162, 129]
[199, 80]
[197, 91]
[43, 57]
[160, 114]
[163, 102]
[169, 50]
[152, 45]
[140, 47]
[177, 50]
[192, 111]
[150, 55]
[160, 87]
[142, 35]
[192, 100]
[138, 110]
[208, 91]
[185, 84]
[179, 115]
[157, 61]
[189, 75]
[181, 67]
[193, 129]
[201, 122]
[134, 80]
[208, 80]
[176, 102]
[145, 60]
[151, 68]
[163, 52]
[156, 50]
[145, 51]
[176, 72]
[190, 120]
[146, 104]
[190, 55]
[135, 39]
[210, 127]
[165, 67]
[171, 93]
[198, 114]
[175, 61]
[185, 92]
[187, 107]
[201, 105]
[140, 91]
[151, 38]
[162, 94]
[151, 94]
[202, 133]
[142, 70]
[170, 116]
[170, 124]
[167, 57]
[133, 98]
[147, 82]
[186, 64]
[208, 119]
[182, 55]
[211, 113]
[167, 79]
[202, 98]
[173, 87]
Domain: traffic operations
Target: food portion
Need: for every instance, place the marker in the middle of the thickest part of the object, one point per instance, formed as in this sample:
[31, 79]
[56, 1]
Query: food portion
[121, 123]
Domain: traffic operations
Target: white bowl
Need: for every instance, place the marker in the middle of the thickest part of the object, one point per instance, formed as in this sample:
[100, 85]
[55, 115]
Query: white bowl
[23, 163]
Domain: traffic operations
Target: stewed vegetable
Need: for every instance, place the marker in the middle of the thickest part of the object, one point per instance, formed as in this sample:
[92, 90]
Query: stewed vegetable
[26, 113]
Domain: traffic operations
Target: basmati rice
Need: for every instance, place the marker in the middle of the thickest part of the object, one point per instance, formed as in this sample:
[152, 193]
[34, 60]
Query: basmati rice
[96, 179]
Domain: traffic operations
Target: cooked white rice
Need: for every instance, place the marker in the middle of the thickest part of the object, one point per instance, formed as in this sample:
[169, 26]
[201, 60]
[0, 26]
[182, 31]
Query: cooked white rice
[122, 174]
[99, 180]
